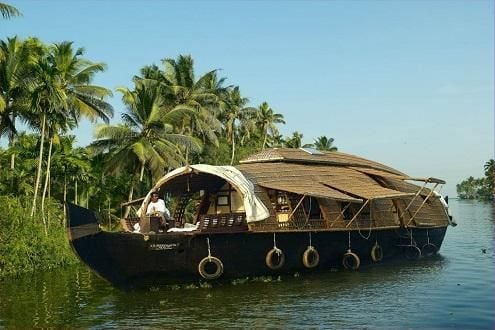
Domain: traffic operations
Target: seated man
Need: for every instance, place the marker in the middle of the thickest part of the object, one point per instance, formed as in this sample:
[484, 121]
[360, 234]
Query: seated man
[157, 207]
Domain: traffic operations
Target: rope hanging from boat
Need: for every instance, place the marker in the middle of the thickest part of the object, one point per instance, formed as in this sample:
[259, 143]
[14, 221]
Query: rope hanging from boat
[349, 245]
[209, 250]
[277, 250]
[429, 248]
[412, 251]
[369, 231]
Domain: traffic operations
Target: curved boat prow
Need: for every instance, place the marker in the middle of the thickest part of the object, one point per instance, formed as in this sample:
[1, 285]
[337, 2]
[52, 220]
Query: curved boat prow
[89, 244]
[81, 222]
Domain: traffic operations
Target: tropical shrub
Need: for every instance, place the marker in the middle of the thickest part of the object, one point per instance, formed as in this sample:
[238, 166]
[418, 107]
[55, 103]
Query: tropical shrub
[24, 244]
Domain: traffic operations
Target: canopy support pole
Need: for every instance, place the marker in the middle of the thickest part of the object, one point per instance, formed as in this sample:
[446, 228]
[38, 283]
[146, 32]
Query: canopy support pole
[415, 196]
[341, 214]
[294, 210]
[422, 204]
[358, 212]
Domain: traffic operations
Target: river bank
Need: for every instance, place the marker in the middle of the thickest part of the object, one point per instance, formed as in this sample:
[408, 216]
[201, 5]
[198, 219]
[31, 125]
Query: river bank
[25, 246]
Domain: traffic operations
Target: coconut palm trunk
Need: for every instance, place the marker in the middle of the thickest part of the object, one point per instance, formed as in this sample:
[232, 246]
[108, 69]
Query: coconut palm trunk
[75, 191]
[12, 143]
[65, 198]
[141, 174]
[38, 172]
[129, 198]
[264, 140]
[45, 188]
[233, 148]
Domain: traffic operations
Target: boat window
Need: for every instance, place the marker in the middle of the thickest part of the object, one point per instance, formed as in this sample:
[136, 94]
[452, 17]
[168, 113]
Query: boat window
[222, 200]
[225, 200]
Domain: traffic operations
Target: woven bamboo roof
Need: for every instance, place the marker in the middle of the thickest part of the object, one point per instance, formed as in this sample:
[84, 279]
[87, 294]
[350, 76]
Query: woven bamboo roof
[316, 180]
[308, 188]
[290, 155]
[376, 172]
[331, 175]
[362, 187]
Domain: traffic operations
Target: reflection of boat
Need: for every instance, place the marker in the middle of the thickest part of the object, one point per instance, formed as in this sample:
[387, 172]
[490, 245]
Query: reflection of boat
[279, 211]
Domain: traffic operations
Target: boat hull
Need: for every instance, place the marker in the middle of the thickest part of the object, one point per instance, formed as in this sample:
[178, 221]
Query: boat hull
[129, 259]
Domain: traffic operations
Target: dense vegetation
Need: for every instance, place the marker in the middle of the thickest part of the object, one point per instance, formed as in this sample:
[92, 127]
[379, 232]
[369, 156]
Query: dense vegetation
[172, 117]
[23, 246]
[480, 188]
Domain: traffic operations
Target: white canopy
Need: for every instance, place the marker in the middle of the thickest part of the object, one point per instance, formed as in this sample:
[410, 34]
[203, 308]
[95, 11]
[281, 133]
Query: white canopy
[255, 209]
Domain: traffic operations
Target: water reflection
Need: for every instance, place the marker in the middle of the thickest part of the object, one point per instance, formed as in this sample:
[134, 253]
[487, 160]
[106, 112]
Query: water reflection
[452, 289]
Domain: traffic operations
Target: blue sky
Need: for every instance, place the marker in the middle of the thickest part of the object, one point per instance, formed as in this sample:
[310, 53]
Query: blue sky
[406, 83]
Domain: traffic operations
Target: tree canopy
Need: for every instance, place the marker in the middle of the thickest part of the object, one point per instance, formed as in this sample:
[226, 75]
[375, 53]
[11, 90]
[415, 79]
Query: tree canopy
[173, 116]
[479, 188]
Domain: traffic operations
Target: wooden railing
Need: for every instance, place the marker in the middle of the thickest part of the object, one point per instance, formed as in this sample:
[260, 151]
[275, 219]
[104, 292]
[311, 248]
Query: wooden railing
[225, 222]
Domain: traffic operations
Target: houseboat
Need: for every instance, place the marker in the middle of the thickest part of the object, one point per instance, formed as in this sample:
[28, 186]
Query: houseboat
[280, 211]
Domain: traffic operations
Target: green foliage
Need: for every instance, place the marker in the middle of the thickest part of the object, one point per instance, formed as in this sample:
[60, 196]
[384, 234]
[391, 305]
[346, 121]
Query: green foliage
[295, 141]
[216, 155]
[8, 11]
[480, 188]
[324, 144]
[24, 246]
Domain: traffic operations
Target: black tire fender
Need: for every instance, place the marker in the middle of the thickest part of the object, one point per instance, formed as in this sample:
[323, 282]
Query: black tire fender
[351, 261]
[311, 257]
[270, 256]
[376, 253]
[202, 268]
[429, 249]
[412, 252]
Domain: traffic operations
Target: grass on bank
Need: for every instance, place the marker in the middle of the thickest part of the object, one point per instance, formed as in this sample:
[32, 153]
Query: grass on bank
[24, 246]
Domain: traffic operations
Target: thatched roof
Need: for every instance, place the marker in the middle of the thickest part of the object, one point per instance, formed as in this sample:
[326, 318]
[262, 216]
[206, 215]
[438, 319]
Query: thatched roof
[289, 155]
[331, 175]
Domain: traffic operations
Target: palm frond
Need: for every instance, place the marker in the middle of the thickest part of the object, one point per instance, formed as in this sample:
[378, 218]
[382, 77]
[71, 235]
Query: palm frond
[8, 11]
[91, 107]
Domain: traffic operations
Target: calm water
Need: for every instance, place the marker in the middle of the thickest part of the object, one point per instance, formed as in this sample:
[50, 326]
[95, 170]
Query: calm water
[454, 289]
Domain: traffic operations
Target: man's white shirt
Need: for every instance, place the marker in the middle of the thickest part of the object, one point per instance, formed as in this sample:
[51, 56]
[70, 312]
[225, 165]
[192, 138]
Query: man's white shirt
[158, 206]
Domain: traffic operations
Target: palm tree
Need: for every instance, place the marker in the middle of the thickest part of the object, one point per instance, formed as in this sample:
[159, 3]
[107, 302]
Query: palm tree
[20, 179]
[489, 167]
[277, 140]
[490, 176]
[68, 162]
[59, 123]
[45, 99]
[295, 141]
[16, 60]
[267, 120]
[146, 139]
[203, 95]
[324, 144]
[236, 111]
[8, 11]
[63, 90]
